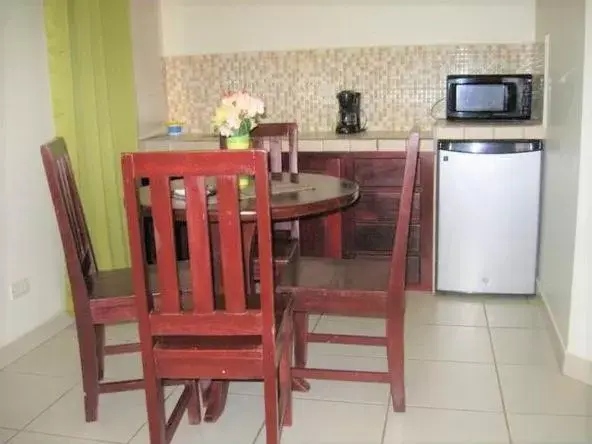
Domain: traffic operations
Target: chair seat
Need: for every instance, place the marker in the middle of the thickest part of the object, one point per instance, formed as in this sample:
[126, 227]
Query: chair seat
[327, 274]
[112, 291]
[118, 283]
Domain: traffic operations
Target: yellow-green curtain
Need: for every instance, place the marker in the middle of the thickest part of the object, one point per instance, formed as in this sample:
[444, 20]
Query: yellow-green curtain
[94, 106]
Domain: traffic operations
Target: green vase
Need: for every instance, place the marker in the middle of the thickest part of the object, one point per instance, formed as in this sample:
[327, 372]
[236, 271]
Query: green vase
[240, 143]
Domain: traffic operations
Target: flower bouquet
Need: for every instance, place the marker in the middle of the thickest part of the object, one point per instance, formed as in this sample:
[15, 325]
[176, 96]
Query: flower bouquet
[236, 116]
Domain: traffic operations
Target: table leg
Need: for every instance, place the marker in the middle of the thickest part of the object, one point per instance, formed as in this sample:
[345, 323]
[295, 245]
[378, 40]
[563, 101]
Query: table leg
[216, 392]
[215, 400]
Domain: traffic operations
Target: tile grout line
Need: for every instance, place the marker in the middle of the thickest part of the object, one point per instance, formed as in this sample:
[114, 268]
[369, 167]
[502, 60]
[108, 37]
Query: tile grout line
[54, 435]
[497, 375]
[24, 429]
[386, 415]
[261, 427]
[137, 432]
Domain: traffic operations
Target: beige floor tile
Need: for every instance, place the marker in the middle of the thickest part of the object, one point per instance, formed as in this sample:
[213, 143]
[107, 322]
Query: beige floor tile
[42, 360]
[124, 366]
[39, 438]
[435, 309]
[452, 385]
[249, 388]
[120, 416]
[517, 314]
[351, 325]
[24, 396]
[126, 333]
[347, 350]
[535, 429]
[523, 346]
[361, 392]
[6, 434]
[313, 320]
[341, 391]
[543, 390]
[448, 343]
[445, 426]
[322, 422]
[56, 357]
[240, 423]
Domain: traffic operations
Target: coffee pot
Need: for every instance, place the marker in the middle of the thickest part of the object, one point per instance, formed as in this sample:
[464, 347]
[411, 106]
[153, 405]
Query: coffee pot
[349, 115]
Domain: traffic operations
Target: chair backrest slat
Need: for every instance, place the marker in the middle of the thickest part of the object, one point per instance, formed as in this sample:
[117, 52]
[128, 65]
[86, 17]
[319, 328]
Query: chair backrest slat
[198, 234]
[199, 314]
[270, 137]
[164, 238]
[78, 250]
[231, 255]
[275, 134]
[398, 267]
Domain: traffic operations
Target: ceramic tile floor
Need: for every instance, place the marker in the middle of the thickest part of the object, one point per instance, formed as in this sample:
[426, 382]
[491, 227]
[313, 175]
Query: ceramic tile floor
[479, 370]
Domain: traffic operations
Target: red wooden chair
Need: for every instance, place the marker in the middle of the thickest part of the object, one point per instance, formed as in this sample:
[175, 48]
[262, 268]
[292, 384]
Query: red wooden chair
[198, 335]
[270, 137]
[357, 287]
[99, 297]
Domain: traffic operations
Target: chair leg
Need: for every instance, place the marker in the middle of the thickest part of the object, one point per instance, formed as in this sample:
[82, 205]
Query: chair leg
[396, 362]
[155, 407]
[100, 338]
[89, 367]
[287, 380]
[194, 407]
[300, 339]
[272, 416]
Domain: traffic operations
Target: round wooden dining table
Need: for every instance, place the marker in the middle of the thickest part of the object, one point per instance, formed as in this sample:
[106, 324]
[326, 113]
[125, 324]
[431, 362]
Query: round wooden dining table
[292, 197]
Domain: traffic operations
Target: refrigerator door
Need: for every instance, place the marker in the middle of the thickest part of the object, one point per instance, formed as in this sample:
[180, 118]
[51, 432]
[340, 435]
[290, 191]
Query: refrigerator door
[488, 218]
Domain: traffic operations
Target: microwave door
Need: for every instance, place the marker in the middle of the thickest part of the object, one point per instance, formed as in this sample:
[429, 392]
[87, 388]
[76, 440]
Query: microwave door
[479, 99]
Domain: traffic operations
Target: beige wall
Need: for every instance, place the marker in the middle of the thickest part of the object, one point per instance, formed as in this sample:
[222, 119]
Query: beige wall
[148, 77]
[32, 248]
[580, 327]
[209, 26]
[566, 244]
[564, 23]
[3, 284]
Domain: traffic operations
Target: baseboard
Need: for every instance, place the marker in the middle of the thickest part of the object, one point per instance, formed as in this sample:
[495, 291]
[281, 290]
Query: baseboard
[556, 339]
[571, 365]
[578, 368]
[20, 347]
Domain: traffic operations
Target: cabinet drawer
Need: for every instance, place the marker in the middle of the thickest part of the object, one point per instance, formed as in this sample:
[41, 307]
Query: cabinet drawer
[381, 172]
[319, 165]
[376, 238]
[377, 205]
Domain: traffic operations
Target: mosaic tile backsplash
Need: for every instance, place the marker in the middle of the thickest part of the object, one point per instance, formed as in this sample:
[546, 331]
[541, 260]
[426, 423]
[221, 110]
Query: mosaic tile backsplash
[400, 85]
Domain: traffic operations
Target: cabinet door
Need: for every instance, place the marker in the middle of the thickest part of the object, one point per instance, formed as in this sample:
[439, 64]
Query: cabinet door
[321, 235]
[369, 225]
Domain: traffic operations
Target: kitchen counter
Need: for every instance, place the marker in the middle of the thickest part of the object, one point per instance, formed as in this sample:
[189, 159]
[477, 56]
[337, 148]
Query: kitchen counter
[530, 129]
[366, 141]
[308, 142]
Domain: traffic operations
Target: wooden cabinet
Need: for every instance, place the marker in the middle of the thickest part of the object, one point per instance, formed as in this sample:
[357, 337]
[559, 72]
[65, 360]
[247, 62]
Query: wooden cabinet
[367, 227]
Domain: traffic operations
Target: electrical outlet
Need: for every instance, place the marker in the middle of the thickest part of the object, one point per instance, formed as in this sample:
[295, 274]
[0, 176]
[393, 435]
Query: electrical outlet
[19, 288]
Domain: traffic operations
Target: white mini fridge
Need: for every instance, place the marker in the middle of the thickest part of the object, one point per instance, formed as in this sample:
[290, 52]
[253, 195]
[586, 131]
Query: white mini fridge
[487, 223]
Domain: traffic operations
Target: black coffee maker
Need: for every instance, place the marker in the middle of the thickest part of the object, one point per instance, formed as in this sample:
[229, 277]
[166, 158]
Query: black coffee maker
[349, 116]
